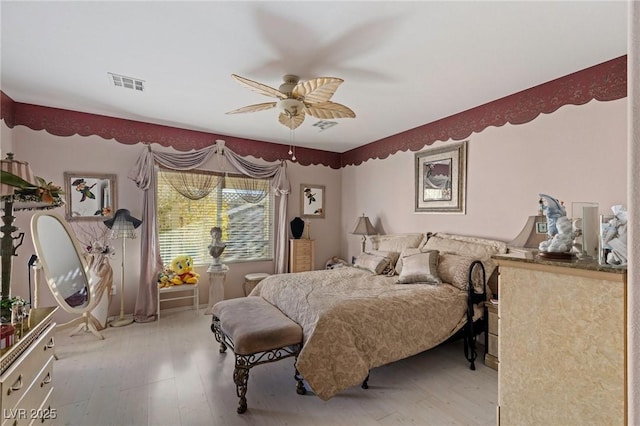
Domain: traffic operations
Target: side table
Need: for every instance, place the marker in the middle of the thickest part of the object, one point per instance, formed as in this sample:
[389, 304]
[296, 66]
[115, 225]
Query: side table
[217, 279]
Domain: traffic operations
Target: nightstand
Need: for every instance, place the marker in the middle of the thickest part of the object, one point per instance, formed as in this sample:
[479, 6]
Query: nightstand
[491, 337]
[301, 254]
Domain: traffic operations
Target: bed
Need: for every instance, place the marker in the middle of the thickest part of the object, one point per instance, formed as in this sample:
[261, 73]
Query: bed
[357, 318]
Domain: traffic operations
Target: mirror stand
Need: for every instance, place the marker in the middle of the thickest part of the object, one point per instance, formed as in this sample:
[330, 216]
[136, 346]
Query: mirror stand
[66, 271]
[84, 322]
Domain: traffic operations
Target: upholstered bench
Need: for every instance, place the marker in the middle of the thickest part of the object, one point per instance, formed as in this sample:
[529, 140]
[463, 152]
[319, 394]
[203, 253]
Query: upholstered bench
[258, 333]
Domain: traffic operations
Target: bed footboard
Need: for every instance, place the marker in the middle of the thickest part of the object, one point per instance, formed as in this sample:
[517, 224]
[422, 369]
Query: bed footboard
[472, 329]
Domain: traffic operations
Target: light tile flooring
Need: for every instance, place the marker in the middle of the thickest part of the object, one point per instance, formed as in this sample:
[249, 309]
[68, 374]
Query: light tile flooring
[171, 373]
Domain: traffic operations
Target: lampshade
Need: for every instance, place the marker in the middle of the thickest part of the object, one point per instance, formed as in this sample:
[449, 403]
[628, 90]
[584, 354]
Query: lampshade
[18, 168]
[122, 225]
[533, 233]
[291, 107]
[364, 227]
[24, 190]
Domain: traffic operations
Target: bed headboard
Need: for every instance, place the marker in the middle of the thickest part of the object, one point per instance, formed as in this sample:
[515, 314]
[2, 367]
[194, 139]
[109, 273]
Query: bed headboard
[480, 248]
[398, 242]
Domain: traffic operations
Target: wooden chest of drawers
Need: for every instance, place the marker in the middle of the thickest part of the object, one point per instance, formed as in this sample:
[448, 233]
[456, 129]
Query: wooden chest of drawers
[491, 355]
[26, 379]
[301, 255]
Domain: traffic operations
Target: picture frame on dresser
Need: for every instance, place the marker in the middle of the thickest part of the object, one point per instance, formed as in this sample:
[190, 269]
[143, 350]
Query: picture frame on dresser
[312, 200]
[90, 196]
[441, 179]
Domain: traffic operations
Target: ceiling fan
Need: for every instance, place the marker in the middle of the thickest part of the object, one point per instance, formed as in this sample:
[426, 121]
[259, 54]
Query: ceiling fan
[298, 98]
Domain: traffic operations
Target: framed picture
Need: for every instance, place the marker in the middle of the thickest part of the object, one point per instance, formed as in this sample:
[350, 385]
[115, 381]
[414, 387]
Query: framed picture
[541, 227]
[312, 200]
[90, 196]
[441, 179]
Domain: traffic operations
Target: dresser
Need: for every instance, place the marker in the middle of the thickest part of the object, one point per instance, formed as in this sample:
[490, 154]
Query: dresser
[26, 378]
[562, 337]
[491, 343]
[301, 255]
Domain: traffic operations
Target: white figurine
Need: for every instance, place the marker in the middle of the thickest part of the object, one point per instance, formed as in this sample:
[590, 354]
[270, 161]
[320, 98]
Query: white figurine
[563, 240]
[216, 247]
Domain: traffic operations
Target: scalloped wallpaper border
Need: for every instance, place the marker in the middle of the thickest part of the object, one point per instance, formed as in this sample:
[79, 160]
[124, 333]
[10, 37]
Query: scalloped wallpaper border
[603, 82]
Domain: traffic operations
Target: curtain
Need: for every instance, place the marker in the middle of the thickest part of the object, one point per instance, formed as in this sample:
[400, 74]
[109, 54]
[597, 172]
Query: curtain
[145, 175]
[249, 189]
[193, 186]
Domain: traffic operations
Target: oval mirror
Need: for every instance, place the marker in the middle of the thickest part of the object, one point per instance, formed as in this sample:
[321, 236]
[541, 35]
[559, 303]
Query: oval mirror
[65, 269]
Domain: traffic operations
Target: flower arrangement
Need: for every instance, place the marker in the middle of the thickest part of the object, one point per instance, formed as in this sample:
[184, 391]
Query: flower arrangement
[26, 192]
[94, 238]
[12, 309]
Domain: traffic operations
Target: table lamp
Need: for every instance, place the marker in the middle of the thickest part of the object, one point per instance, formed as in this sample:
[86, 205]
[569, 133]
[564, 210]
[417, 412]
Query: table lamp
[364, 228]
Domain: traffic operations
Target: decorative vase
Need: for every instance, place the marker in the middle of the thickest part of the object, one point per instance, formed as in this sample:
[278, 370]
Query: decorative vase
[297, 227]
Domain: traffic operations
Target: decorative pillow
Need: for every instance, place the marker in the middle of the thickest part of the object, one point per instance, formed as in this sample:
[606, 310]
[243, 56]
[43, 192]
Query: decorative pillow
[454, 269]
[406, 252]
[421, 267]
[397, 242]
[479, 248]
[371, 262]
[392, 255]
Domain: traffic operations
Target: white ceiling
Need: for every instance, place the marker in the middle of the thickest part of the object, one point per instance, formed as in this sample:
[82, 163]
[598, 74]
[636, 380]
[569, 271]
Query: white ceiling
[405, 64]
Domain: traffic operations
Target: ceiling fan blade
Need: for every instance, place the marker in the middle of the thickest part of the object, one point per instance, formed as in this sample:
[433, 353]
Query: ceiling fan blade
[326, 110]
[259, 87]
[254, 108]
[319, 89]
[291, 122]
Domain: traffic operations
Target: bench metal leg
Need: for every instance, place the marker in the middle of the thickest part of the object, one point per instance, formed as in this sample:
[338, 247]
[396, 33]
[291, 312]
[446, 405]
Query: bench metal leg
[241, 379]
[217, 333]
[244, 363]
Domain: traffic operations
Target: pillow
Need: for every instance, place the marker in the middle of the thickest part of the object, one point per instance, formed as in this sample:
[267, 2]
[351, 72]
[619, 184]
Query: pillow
[405, 252]
[396, 242]
[371, 262]
[479, 248]
[454, 269]
[421, 267]
[392, 255]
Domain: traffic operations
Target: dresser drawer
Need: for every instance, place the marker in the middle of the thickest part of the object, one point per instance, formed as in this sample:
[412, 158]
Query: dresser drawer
[303, 250]
[45, 415]
[493, 323]
[22, 373]
[39, 389]
[492, 349]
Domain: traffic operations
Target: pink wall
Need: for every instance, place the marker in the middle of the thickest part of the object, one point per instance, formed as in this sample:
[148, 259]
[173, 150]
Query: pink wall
[50, 156]
[578, 153]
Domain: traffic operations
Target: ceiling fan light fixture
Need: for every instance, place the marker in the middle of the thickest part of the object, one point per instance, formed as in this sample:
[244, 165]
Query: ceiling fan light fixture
[291, 107]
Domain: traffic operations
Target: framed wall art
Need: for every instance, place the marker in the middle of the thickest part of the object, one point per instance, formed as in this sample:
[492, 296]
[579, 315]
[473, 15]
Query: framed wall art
[90, 196]
[440, 179]
[312, 200]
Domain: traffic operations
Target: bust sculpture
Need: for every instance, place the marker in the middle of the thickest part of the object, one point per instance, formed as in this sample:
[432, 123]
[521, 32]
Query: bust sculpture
[216, 247]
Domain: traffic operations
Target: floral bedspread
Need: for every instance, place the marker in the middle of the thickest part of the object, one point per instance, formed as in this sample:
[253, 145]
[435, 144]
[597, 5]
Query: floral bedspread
[354, 321]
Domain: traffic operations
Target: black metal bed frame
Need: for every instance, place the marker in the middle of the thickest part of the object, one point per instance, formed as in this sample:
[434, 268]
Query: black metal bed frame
[471, 329]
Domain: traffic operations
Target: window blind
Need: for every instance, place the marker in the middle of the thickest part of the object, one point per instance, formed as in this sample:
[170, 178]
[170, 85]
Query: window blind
[184, 225]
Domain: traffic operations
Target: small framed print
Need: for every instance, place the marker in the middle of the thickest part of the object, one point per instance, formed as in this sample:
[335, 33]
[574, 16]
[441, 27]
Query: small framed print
[541, 227]
[90, 196]
[312, 200]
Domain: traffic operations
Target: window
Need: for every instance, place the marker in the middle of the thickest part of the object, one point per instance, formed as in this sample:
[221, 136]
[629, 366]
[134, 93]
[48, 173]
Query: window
[184, 225]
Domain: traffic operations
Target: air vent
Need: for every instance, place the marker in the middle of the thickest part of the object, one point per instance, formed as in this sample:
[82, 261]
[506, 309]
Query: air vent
[127, 82]
[324, 125]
